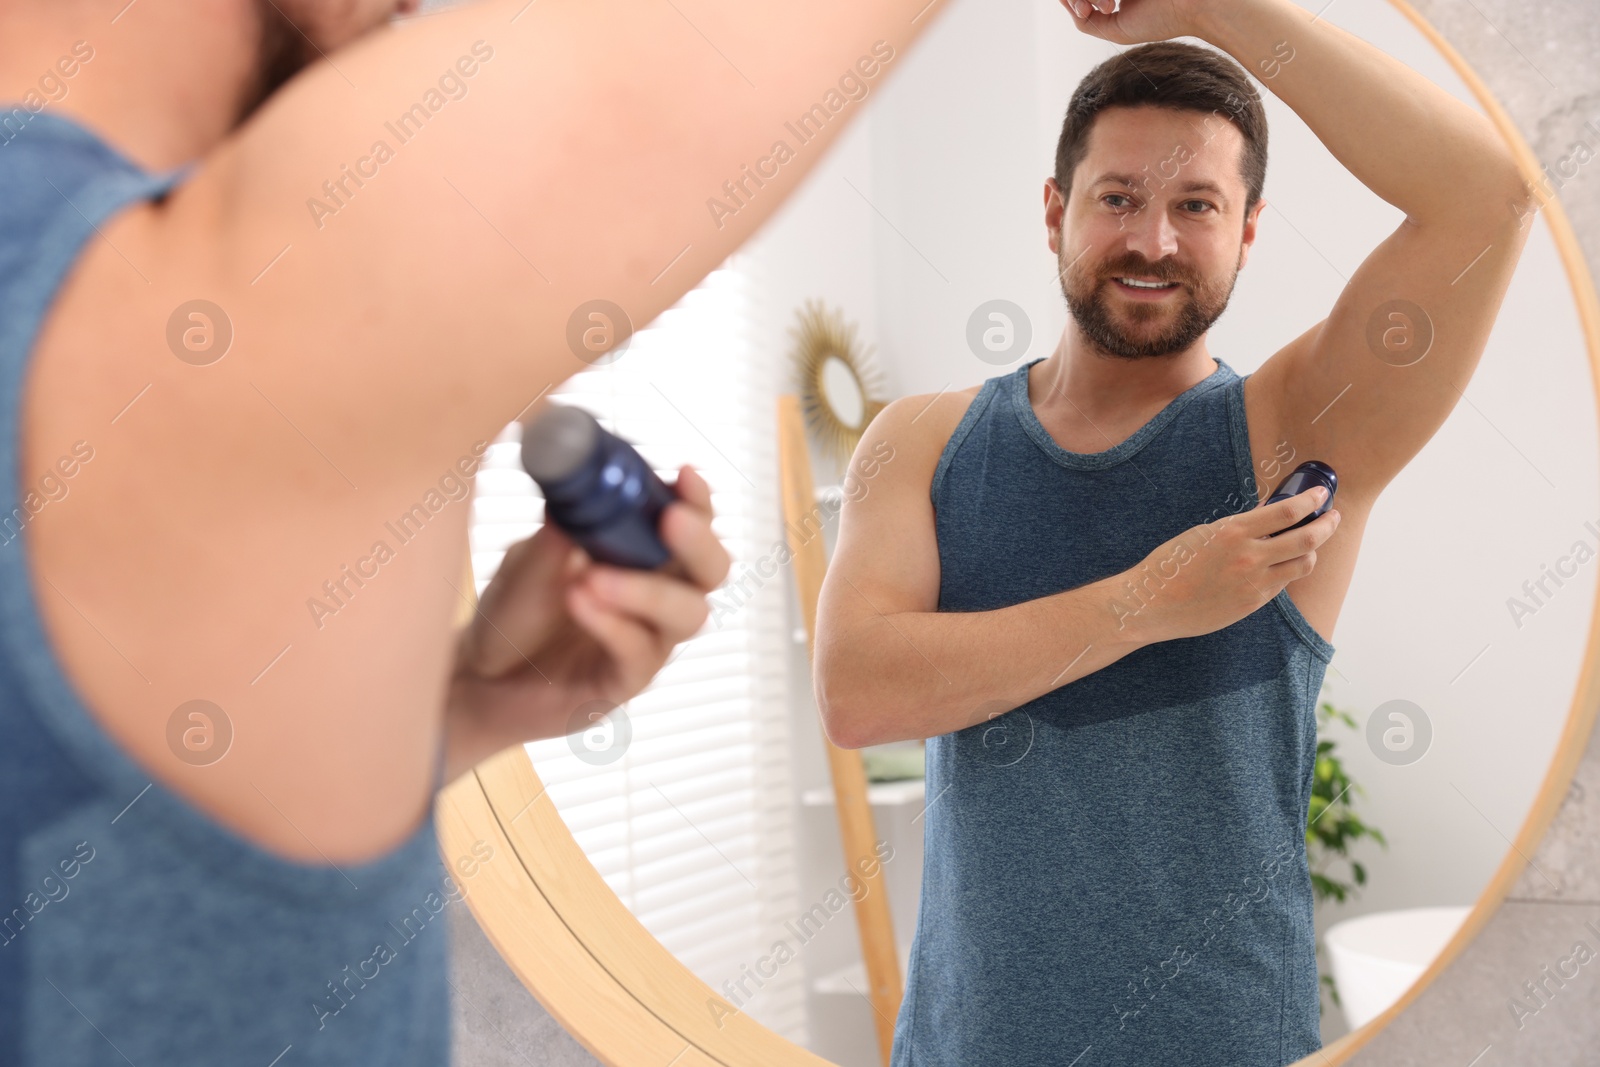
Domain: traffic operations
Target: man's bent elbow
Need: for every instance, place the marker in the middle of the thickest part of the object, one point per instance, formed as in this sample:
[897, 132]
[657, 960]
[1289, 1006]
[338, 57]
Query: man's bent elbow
[838, 724]
[843, 732]
[842, 722]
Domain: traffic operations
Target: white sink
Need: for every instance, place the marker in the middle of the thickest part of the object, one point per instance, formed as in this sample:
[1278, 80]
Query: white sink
[1376, 957]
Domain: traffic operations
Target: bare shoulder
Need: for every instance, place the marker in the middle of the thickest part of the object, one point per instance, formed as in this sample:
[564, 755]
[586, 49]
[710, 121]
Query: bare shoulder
[887, 556]
[915, 429]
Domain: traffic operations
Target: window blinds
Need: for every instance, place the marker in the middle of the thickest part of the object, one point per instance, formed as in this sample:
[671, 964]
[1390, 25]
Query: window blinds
[693, 825]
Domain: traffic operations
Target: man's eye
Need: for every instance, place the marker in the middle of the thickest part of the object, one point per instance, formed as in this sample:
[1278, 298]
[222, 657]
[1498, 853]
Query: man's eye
[1197, 205]
[1114, 196]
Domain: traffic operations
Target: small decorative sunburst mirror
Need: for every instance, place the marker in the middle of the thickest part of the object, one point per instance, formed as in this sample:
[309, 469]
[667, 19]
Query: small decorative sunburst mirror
[839, 382]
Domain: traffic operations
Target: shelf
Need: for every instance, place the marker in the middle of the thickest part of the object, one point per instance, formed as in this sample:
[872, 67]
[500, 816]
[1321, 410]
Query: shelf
[910, 791]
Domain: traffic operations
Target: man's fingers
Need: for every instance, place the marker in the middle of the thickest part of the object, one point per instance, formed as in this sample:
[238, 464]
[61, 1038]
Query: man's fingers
[1084, 9]
[520, 609]
[673, 608]
[698, 555]
[1306, 539]
[635, 647]
[693, 489]
[530, 569]
[1268, 519]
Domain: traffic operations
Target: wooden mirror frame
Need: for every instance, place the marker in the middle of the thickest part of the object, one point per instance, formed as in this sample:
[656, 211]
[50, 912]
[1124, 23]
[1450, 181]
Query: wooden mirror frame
[601, 975]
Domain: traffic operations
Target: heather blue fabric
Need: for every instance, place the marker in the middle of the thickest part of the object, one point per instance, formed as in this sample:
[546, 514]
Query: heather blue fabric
[1115, 873]
[133, 928]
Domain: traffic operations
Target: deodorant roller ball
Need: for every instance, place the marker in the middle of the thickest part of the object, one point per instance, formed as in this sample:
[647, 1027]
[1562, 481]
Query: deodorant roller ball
[597, 488]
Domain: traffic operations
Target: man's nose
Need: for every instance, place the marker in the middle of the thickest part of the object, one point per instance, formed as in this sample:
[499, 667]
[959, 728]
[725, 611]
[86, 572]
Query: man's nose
[1149, 232]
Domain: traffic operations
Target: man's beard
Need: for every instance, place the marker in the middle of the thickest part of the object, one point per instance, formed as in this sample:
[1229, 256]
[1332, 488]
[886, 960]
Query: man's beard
[1089, 303]
[282, 51]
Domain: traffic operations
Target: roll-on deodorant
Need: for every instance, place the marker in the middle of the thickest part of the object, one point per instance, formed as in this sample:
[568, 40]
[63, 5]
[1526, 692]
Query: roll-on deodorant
[597, 488]
[1308, 475]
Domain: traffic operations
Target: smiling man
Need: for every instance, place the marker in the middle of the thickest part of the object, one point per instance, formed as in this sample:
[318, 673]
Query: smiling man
[1070, 585]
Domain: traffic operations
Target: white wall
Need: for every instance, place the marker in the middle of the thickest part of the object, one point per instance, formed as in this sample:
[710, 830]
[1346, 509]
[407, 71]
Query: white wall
[792, 261]
[948, 165]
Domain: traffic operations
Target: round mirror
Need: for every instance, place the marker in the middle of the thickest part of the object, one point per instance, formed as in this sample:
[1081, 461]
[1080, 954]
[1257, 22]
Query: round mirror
[689, 902]
[837, 380]
[842, 392]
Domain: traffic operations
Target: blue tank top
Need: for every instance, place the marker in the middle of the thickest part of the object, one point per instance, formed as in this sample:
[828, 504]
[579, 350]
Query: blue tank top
[133, 928]
[1115, 873]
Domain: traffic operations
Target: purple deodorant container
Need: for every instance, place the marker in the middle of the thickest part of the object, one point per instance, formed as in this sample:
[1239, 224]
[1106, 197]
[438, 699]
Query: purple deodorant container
[597, 488]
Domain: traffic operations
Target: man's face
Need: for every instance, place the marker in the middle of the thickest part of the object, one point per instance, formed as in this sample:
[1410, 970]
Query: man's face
[1152, 233]
[295, 33]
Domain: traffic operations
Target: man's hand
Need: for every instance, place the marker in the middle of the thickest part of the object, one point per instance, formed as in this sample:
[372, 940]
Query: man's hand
[1214, 574]
[1138, 21]
[555, 630]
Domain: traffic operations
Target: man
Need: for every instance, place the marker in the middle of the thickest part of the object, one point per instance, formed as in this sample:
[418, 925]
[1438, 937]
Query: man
[1067, 586]
[272, 272]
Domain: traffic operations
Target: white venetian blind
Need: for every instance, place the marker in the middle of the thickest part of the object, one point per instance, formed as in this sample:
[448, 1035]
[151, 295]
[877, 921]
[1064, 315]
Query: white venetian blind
[692, 826]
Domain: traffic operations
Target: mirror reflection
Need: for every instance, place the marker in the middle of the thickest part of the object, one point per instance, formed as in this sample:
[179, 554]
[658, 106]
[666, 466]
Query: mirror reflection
[1146, 781]
[842, 391]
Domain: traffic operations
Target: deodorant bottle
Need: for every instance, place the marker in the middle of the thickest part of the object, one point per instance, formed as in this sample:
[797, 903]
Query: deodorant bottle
[597, 488]
[1308, 475]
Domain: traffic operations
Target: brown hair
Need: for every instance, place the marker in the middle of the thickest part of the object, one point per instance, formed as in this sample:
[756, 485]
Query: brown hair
[1173, 75]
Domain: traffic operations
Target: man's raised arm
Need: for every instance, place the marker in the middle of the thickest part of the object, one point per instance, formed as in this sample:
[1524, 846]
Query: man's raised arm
[408, 236]
[1368, 387]
[396, 249]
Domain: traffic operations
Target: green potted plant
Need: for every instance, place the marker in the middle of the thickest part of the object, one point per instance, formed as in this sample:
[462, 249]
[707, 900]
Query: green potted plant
[1332, 825]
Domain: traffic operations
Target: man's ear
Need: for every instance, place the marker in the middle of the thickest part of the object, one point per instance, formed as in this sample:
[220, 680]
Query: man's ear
[1054, 210]
[1248, 238]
